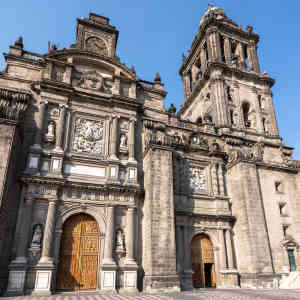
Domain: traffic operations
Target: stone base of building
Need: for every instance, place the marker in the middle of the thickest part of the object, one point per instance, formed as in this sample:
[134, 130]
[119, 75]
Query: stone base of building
[229, 279]
[187, 280]
[161, 284]
[259, 280]
[108, 278]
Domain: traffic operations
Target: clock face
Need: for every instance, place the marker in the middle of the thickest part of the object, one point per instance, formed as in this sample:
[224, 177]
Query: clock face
[96, 45]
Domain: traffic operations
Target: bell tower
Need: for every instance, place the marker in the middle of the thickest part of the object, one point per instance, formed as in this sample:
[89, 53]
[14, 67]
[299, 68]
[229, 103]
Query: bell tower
[222, 81]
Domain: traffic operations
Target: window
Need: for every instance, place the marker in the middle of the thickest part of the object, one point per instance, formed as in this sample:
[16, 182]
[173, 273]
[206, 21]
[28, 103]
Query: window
[246, 109]
[292, 260]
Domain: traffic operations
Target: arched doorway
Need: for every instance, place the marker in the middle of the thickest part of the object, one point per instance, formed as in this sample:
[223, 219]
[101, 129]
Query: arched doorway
[79, 254]
[203, 262]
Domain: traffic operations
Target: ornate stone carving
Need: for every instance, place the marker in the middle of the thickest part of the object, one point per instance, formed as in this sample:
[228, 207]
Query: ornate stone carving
[286, 156]
[13, 104]
[120, 241]
[88, 136]
[97, 45]
[92, 80]
[50, 135]
[197, 180]
[252, 154]
[37, 236]
[123, 141]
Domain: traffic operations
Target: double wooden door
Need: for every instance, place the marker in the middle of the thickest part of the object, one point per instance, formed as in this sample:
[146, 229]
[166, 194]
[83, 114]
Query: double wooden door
[79, 254]
[203, 263]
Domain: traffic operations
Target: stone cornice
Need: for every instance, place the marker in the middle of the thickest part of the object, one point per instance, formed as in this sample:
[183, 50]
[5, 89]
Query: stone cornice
[64, 183]
[13, 104]
[205, 216]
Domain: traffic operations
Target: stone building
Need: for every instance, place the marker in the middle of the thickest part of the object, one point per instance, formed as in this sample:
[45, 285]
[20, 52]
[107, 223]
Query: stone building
[102, 188]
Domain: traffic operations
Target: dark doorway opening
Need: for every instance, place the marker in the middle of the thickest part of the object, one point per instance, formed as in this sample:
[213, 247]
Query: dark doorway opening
[208, 272]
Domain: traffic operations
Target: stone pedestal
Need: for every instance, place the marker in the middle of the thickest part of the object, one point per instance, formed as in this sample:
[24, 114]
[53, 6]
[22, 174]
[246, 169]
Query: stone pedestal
[108, 278]
[16, 282]
[228, 279]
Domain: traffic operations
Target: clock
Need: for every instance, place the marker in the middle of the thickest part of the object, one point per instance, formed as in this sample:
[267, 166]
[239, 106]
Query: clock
[96, 45]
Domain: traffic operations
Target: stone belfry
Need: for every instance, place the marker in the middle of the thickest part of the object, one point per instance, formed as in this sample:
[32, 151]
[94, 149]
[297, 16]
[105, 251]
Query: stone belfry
[222, 80]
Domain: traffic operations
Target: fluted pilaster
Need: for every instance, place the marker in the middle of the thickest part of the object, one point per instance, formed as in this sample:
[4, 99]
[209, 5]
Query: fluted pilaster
[130, 236]
[131, 143]
[40, 124]
[60, 128]
[48, 234]
[114, 137]
[109, 237]
[24, 231]
[229, 249]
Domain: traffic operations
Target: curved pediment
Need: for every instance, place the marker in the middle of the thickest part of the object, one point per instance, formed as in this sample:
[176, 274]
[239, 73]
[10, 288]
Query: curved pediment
[90, 58]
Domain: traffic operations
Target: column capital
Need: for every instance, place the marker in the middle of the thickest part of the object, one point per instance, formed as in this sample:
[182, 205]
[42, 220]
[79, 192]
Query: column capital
[63, 105]
[44, 102]
[132, 119]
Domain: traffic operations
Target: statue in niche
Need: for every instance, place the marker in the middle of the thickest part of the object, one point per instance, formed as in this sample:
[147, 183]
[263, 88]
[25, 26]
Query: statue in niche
[123, 141]
[120, 241]
[50, 135]
[37, 236]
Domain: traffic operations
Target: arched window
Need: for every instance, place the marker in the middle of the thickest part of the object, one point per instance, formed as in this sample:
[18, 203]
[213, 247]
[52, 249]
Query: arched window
[246, 109]
[199, 121]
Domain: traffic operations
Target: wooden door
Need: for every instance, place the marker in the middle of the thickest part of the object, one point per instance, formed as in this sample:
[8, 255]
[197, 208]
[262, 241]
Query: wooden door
[79, 254]
[202, 253]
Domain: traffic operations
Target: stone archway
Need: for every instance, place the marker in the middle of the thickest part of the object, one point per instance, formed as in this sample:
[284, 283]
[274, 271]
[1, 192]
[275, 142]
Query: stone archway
[79, 254]
[203, 262]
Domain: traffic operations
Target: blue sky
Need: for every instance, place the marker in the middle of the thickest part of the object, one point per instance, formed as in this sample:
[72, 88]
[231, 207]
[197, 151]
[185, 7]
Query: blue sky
[154, 34]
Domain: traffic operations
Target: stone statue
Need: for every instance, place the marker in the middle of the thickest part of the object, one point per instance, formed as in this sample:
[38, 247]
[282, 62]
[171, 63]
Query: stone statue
[50, 135]
[123, 141]
[119, 241]
[37, 237]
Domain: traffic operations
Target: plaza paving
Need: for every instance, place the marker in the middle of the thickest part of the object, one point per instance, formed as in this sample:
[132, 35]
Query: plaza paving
[203, 294]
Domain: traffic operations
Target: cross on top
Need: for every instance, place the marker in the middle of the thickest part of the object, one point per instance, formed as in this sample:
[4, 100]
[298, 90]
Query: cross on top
[210, 5]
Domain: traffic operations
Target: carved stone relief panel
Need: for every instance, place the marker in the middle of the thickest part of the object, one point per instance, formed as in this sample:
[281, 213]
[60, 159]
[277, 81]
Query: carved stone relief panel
[92, 80]
[124, 127]
[88, 136]
[197, 178]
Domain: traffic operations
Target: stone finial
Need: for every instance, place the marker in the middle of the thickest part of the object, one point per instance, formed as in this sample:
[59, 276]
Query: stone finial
[132, 69]
[157, 77]
[249, 29]
[183, 57]
[19, 42]
[172, 109]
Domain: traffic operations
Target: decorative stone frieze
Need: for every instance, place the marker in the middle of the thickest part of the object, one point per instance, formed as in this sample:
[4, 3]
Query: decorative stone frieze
[13, 104]
[197, 180]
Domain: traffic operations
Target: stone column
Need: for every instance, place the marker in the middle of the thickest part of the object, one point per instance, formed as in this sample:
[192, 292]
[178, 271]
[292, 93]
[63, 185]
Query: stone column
[221, 180]
[60, 128]
[222, 250]
[24, 231]
[203, 59]
[39, 124]
[259, 123]
[131, 142]
[46, 256]
[188, 272]
[132, 90]
[252, 57]
[45, 266]
[114, 138]
[179, 243]
[215, 178]
[109, 237]
[229, 249]
[227, 50]
[130, 236]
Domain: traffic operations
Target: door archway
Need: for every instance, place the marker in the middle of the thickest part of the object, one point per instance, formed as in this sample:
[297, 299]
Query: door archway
[79, 254]
[203, 262]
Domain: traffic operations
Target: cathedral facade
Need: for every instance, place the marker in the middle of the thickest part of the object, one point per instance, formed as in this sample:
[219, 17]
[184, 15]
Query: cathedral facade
[102, 188]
